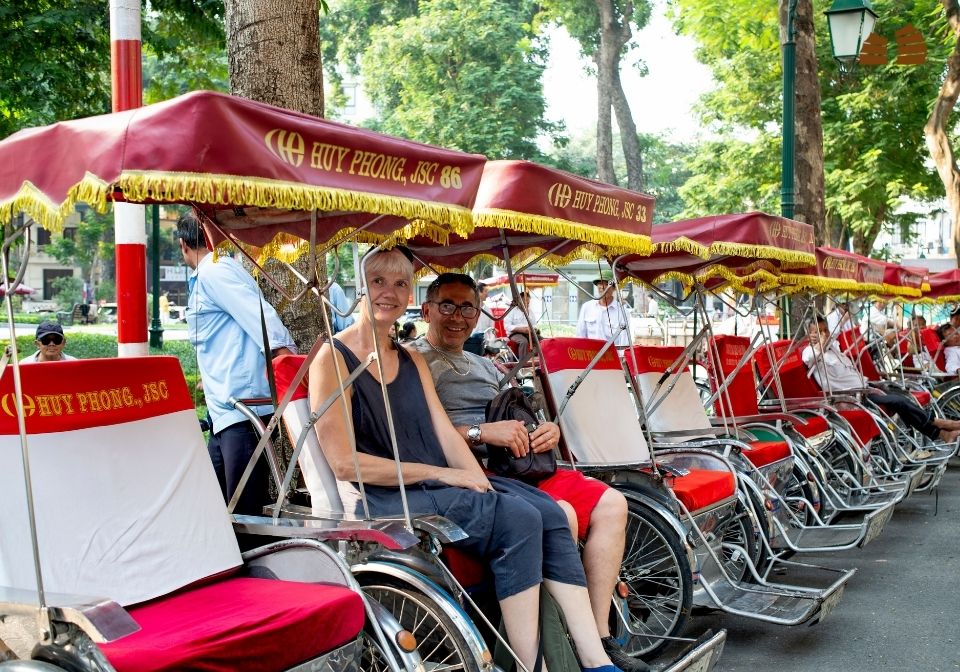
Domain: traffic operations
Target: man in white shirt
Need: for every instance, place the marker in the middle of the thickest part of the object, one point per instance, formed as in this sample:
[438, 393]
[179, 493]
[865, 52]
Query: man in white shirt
[604, 316]
[835, 373]
[877, 320]
[516, 325]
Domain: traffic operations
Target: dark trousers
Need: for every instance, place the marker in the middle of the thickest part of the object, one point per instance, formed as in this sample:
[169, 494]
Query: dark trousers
[230, 450]
[909, 411]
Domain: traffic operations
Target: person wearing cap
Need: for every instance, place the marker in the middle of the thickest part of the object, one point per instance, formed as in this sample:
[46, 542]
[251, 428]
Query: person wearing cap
[226, 314]
[604, 316]
[50, 344]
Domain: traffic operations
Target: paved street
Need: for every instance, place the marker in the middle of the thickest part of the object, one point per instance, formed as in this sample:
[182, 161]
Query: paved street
[901, 611]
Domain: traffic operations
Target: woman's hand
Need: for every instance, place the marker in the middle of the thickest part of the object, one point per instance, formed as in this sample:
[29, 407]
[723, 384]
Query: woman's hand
[511, 434]
[545, 437]
[462, 478]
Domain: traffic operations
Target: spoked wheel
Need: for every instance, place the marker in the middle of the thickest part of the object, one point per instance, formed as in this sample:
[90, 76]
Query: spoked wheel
[739, 541]
[372, 658]
[950, 403]
[439, 642]
[659, 584]
[844, 471]
[798, 488]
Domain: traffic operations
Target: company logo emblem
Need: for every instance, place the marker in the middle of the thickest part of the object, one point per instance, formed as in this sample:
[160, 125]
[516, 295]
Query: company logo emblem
[288, 146]
[560, 194]
[9, 405]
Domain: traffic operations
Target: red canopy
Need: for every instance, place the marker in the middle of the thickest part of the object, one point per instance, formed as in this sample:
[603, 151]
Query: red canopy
[944, 287]
[21, 290]
[902, 280]
[255, 169]
[725, 247]
[548, 211]
[836, 270]
[528, 279]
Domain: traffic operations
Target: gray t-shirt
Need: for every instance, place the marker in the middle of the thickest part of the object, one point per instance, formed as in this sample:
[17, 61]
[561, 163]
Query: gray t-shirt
[465, 382]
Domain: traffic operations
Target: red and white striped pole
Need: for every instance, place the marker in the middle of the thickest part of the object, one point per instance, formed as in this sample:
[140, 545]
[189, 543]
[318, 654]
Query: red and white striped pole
[130, 233]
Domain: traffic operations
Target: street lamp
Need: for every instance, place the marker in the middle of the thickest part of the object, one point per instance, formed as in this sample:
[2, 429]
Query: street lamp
[851, 21]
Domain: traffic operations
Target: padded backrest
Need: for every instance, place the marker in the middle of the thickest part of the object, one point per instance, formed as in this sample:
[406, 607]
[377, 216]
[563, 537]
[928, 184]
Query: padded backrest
[931, 342]
[599, 424]
[319, 478]
[126, 500]
[681, 408]
[740, 397]
[792, 372]
[853, 346]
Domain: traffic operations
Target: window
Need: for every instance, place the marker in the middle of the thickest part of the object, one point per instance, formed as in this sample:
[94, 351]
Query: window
[43, 237]
[70, 234]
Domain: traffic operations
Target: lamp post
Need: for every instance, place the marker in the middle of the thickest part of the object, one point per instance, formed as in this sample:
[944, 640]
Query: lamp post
[851, 21]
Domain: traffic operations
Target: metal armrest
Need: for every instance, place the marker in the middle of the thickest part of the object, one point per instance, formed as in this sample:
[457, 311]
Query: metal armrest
[102, 620]
[389, 533]
[688, 432]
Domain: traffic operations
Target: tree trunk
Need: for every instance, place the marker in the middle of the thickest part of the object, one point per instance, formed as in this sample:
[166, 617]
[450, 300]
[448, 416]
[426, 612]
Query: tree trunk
[273, 49]
[936, 128]
[810, 206]
[613, 36]
[628, 136]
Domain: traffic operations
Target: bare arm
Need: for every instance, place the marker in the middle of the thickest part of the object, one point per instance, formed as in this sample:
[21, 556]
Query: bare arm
[333, 432]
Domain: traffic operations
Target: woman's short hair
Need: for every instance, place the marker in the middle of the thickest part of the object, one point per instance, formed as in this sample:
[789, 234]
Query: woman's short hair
[390, 261]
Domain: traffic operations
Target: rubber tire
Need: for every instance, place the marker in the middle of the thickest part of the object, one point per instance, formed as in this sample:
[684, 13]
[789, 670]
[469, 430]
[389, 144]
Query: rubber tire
[658, 544]
[418, 608]
[739, 530]
[798, 486]
[949, 403]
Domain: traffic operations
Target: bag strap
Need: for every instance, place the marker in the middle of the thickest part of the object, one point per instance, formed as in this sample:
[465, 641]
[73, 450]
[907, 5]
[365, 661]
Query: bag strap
[268, 354]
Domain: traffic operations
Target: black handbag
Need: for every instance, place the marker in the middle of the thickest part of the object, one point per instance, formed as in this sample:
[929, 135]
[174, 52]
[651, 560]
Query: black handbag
[512, 404]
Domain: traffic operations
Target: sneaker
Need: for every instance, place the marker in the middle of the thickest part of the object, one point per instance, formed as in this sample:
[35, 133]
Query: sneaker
[620, 658]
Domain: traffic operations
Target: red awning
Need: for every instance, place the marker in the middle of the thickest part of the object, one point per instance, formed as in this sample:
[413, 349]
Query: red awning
[256, 169]
[836, 271]
[724, 247]
[902, 280]
[944, 287]
[545, 211]
[531, 280]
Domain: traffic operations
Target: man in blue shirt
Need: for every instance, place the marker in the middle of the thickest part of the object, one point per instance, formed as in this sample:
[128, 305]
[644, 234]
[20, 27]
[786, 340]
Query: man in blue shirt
[224, 325]
[342, 304]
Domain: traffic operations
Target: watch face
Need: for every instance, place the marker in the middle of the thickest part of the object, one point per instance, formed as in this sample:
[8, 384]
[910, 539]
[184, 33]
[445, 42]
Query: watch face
[473, 434]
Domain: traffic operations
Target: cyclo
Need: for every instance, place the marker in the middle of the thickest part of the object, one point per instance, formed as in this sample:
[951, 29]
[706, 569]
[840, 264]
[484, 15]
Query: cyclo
[129, 553]
[412, 581]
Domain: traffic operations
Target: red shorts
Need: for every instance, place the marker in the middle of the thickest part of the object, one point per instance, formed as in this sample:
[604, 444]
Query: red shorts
[579, 491]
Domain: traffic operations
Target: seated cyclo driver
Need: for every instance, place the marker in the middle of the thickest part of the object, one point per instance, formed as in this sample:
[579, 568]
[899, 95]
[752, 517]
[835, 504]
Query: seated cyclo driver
[836, 373]
[518, 530]
[465, 383]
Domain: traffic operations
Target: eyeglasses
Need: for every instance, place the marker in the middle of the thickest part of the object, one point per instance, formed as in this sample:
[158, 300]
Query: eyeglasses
[467, 311]
[51, 339]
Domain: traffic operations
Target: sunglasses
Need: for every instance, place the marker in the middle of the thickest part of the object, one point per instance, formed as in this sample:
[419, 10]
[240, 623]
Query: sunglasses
[467, 311]
[51, 339]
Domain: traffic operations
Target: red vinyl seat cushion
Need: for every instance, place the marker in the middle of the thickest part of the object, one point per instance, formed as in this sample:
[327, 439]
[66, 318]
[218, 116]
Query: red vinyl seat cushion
[922, 396]
[239, 623]
[862, 422]
[702, 488]
[762, 453]
[812, 426]
[468, 569]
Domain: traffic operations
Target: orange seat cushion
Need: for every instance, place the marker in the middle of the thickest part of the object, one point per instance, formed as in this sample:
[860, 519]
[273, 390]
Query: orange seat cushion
[239, 623]
[812, 425]
[922, 396]
[702, 488]
[862, 422]
[762, 453]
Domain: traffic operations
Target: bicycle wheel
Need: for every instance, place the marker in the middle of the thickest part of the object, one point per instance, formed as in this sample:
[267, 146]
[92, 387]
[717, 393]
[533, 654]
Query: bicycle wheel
[372, 658]
[739, 542]
[659, 583]
[950, 403]
[441, 646]
[798, 488]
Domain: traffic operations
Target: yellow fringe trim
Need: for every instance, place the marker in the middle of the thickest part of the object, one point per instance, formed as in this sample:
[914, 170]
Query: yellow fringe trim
[820, 284]
[37, 205]
[897, 290]
[426, 217]
[610, 242]
[720, 247]
[933, 300]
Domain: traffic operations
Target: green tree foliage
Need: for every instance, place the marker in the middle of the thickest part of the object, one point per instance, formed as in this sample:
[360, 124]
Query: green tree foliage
[872, 119]
[52, 65]
[462, 74]
[91, 247]
[55, 63]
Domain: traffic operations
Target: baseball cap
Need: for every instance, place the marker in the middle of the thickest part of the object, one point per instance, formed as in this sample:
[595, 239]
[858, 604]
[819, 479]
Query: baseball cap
[605, 276]
[955, 312]
[48, 327]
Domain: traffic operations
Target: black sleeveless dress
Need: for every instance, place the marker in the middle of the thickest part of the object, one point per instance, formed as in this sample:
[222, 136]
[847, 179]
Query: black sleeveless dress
[519, 530]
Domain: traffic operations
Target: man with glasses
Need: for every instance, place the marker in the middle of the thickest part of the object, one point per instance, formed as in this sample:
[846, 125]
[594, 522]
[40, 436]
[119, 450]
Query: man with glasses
[50, 344]
[465, 383]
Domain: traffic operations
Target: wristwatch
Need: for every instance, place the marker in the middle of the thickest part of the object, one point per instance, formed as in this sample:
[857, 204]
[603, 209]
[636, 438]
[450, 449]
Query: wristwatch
[473, 435]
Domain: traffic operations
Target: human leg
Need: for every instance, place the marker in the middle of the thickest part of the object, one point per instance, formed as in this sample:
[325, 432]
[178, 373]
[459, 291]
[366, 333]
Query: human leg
[216, 458]
[237, 443]
[603, 554]
[521, 619]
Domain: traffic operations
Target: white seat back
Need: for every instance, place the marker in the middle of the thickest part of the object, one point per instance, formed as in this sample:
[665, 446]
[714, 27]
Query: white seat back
[681, 408]
[599, 424]
[126, 501]
[317, 475]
